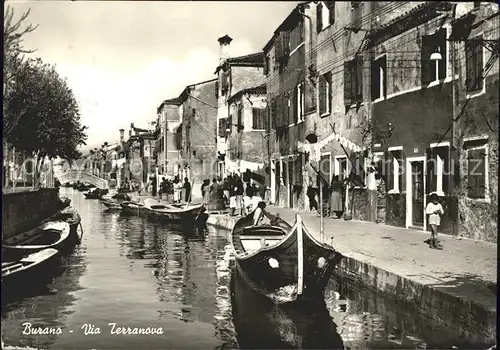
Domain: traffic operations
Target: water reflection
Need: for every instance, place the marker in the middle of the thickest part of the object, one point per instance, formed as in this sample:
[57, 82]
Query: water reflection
[262, 325]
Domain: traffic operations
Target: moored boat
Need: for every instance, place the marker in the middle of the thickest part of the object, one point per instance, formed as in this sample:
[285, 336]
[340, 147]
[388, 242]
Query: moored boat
[70, 216]
[282, 262]
[35, 268]
[95, 193]
[114, 202]
[134, 208]
[174, 212]
[53, 234]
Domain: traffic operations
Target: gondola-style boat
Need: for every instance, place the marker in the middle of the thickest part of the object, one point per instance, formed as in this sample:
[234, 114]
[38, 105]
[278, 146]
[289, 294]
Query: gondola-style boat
[282, 262]
[53, 234]
[174, 212]
[64, 202]
[34, 268]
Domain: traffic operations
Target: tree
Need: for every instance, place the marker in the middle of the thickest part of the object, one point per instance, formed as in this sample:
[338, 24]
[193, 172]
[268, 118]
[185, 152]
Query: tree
[41, 114]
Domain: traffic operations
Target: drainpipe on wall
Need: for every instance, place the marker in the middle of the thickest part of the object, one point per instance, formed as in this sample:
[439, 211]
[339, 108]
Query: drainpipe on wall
[451, 162]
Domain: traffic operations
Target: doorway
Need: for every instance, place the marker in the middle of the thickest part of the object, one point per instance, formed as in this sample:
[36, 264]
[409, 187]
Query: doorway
[415, 193]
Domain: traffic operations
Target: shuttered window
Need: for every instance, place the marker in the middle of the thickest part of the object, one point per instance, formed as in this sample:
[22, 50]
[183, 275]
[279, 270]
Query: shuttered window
[476, 173]
[353, 81]
[259, 116]
[319, 17]
[267, 61]
[433, 44]
[356, 11]
[331, 11]
[379, 78]
[474, 62]
[223, 127]
[325, 82]
[239, 125]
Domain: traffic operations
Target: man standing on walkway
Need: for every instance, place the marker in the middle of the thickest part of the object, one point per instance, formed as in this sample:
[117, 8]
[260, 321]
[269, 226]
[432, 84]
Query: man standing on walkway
[187, 188]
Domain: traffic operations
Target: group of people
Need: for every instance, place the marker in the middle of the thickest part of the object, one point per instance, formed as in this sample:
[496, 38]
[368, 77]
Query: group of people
[241, 196]
[180, 191]
[333, 198]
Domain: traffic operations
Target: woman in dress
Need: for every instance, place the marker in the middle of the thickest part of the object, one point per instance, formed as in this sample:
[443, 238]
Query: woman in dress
[336, 191]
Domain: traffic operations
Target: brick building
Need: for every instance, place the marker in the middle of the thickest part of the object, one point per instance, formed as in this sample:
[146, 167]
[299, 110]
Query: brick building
[234, 74]
[422, 79]
[198, 131]
[168, 136]
[247, 129]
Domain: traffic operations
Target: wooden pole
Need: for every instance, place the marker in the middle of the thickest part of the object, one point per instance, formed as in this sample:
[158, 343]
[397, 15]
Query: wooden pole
[300, 256]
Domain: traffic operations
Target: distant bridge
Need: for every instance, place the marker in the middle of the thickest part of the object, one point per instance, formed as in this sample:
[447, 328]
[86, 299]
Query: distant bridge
[73, 175]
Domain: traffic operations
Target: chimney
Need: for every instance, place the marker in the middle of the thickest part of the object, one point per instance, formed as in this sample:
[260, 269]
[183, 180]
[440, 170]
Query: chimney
[122, 136]
[224, 42]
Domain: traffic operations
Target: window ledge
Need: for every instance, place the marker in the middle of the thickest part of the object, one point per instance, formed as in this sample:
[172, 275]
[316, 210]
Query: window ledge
[474, 94]
[325, 114]
[379, 99]
[260, 130]
[393, 191]
[486, 200]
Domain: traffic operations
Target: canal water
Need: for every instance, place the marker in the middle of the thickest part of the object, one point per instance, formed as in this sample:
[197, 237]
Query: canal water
[133, 272]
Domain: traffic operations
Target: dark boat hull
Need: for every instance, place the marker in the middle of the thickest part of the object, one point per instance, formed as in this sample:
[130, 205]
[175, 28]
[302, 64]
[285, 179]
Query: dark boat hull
[38, 274]
[290, 281]
[134, 208]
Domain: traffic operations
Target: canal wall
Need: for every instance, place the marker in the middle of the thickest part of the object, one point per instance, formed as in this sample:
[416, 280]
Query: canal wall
[469, 309]
[24, 210]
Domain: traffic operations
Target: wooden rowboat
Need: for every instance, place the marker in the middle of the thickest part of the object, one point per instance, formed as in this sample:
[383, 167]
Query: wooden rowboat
[54, 234]
[114, 202]
[282, 262]
[174, 212]
[134, 208]
[36, 268]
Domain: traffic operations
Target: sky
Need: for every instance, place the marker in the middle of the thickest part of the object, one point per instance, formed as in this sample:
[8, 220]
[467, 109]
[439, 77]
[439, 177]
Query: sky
[122, 59]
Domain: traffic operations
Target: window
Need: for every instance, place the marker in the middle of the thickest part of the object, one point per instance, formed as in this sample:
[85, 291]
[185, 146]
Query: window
[477, 172]
[341, 167]
[325, 14]
[259, 117]
[299, 103]
[267, 62]
[353, 81]
[474, 62]
[433, 70]
[240, 118]
[319, 17]
[477, 4]
[379, 78]
[438, 169]
[394, 170]
[223, 127]
[325, 93]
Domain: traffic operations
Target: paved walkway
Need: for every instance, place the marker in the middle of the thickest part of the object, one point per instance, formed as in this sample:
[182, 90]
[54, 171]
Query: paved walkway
[466, 268]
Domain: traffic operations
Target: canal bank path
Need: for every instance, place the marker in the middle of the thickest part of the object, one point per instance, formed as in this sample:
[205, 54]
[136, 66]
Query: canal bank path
[456, 285]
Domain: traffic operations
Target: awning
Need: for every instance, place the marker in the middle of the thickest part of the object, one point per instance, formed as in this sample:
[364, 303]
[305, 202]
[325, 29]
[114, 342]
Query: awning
[249, 165]
[316, 147]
